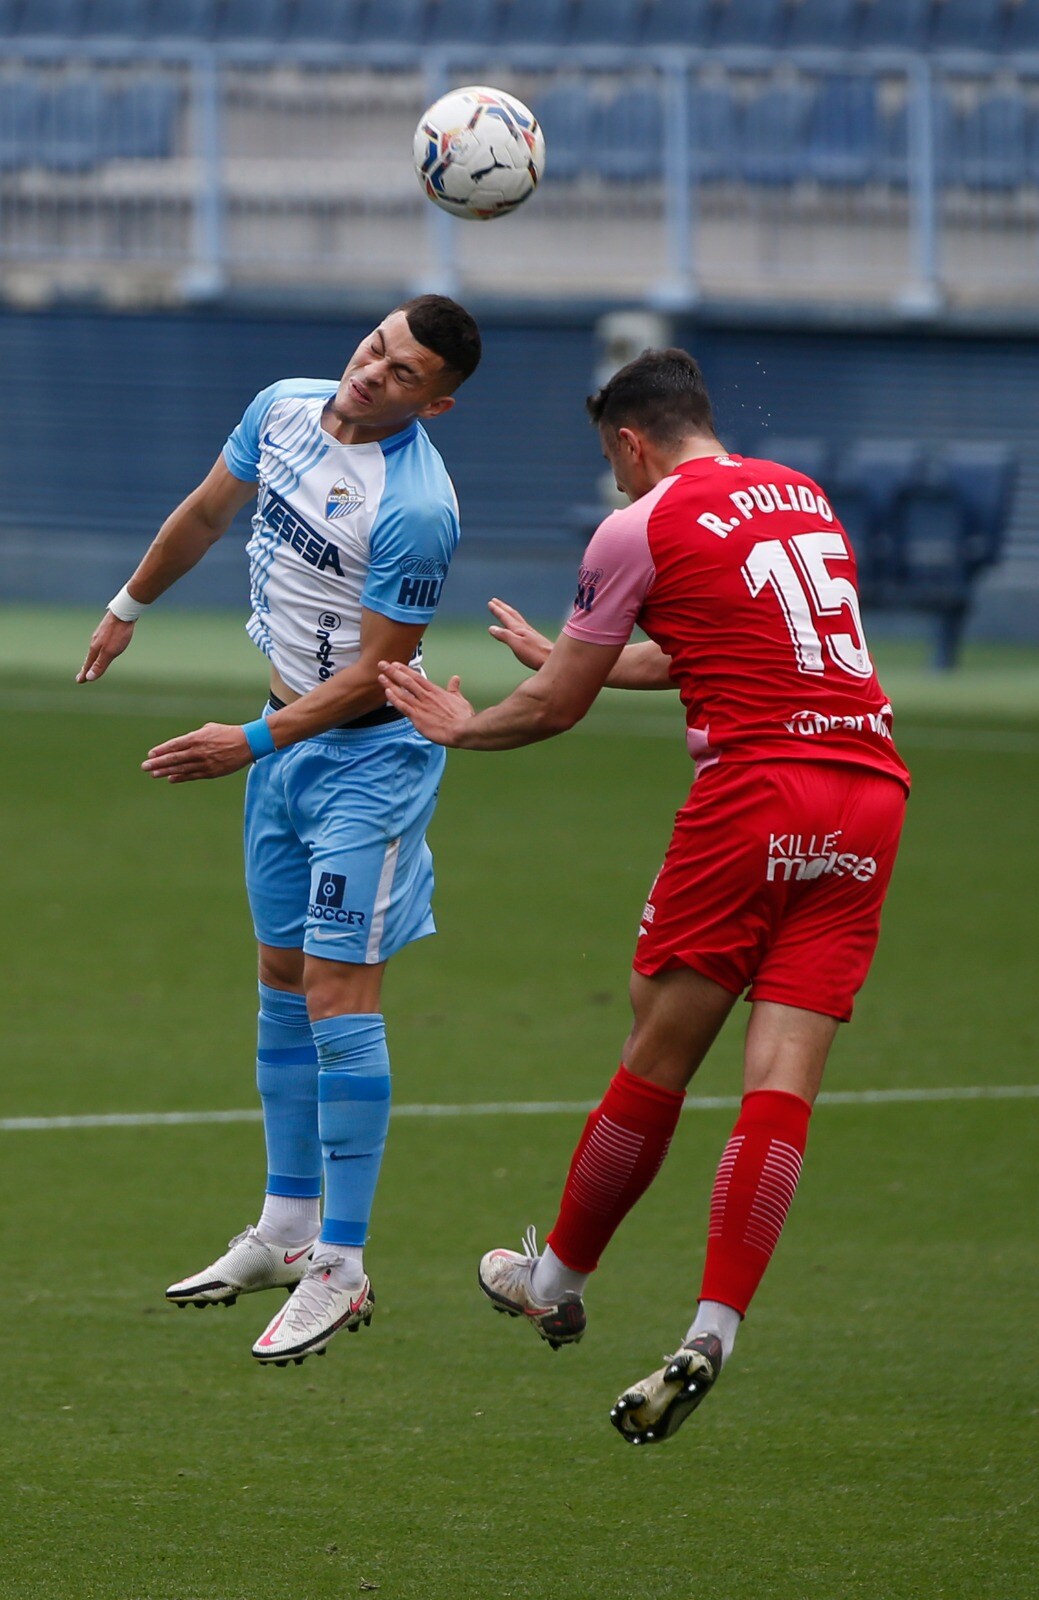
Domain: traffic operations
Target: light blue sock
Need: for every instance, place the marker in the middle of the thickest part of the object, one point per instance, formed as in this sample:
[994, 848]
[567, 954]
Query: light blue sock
[286, 1076]
[353, 1116]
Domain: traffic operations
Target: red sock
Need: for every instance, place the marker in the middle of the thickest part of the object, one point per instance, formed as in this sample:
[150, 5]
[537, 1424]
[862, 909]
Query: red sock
[757, 1176]
[619, 1154]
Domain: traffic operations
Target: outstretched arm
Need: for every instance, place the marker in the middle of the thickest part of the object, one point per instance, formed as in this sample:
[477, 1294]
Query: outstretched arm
[550, 702]
[220, 748]
[188, 532]
[639, 666]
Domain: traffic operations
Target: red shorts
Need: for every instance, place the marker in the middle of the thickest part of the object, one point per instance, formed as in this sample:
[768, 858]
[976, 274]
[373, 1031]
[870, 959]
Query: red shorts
[774, 877]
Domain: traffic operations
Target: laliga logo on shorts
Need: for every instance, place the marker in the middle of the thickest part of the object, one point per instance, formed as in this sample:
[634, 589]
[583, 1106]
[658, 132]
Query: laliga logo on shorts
[343, 498]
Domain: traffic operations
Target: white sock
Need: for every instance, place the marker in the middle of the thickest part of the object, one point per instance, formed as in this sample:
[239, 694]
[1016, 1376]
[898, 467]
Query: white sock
[289, 1220]
[551, 1279]
[345, 1263]
[722, 1320]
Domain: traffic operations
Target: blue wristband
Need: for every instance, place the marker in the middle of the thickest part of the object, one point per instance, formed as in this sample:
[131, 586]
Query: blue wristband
[259, 738]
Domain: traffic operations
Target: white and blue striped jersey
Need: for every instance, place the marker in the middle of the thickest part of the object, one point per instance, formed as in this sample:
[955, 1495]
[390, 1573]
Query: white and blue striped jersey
[337, 527]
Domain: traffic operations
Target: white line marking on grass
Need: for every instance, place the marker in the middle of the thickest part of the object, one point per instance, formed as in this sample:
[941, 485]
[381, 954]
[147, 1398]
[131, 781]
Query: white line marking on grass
[519, 1108]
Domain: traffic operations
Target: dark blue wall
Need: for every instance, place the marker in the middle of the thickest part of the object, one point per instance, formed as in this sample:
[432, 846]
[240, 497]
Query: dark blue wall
[107, 420]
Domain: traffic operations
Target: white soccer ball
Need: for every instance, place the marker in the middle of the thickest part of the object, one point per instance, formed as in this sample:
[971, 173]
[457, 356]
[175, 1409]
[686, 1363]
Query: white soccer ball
[479, 153]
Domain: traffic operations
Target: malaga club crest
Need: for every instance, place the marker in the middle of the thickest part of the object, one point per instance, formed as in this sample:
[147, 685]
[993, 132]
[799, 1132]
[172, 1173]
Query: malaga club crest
[343, 497]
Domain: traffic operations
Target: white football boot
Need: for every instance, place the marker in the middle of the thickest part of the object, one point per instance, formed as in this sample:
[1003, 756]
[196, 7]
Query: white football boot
[248, 1264]
[654, 1409]
[317, 1309]
[505, 1279]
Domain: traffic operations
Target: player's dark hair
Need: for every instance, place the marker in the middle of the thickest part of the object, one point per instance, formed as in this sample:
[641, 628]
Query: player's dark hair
[446, 328]
[661, 392]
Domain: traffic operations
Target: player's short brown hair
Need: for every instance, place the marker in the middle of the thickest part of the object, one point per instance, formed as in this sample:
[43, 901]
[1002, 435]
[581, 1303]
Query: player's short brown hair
[446, 328]
[661, 392]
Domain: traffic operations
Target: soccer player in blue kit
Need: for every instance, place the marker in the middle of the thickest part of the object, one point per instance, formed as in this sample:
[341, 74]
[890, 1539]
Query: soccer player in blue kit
[355, 524]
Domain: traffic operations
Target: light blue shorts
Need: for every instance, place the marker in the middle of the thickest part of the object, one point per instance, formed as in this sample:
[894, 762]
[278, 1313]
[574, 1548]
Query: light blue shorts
[336, 860]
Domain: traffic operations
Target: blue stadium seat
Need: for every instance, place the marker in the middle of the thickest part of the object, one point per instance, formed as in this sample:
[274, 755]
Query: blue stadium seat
[182, 19]
[252, 21]
[810, 456]
[1021, 27]
[753, 22]
[61, 19]
[605, 21]
[566, 115]
[464, 21]
[144, 119]
[21, 105]
[967, 24]
[845, 137]
[982, 474]
[393, 22]
[533, 22]
[713, 133]
[901, 23]
[822, 22]
[678, 21]
[75, 128]
[116, 19]
[8, 18]
[629, 137]
[868, 479]
[773, 136]
[928, 533]
[989, 148]
[323, 21]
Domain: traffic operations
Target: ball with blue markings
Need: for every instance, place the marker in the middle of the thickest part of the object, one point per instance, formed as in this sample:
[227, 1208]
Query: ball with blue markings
[479, 153]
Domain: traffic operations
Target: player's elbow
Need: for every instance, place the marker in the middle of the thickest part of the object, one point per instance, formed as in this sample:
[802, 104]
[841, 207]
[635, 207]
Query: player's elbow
[554, 716]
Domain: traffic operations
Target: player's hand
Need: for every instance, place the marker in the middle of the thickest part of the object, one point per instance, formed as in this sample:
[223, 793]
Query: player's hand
[110, 638]
[439, 714]
[530, 647]
[209, 752]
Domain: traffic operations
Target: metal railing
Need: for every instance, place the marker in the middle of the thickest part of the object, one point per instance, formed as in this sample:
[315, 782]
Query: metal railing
[172, 172]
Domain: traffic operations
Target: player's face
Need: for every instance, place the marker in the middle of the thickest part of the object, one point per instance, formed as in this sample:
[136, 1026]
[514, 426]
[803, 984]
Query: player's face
[623, 450]
[390, 380]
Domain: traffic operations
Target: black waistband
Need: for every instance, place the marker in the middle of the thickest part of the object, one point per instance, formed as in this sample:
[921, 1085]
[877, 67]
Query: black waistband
[371, 719]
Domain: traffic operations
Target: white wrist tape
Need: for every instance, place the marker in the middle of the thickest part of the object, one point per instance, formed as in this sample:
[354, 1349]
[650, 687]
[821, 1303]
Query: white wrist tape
[125, 607]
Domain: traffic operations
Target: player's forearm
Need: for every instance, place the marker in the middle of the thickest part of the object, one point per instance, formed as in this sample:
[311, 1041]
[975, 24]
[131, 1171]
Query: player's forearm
[350, 693]
[641, 666]
[525, 717]
[178, 546]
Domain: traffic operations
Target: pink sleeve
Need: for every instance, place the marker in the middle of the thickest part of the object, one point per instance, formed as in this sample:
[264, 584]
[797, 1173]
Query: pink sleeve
[616, 574]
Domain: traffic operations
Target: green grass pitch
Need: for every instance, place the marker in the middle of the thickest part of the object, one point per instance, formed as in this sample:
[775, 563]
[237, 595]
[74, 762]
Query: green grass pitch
[874, 1436]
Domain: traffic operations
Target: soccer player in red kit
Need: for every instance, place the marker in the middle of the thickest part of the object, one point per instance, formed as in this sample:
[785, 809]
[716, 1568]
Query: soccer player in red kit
[743, 580]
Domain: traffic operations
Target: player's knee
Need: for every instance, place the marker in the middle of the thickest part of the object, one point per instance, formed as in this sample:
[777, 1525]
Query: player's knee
[280, 969]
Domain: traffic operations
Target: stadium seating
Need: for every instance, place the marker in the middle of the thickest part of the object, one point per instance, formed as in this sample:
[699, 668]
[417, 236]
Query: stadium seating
[774, 128]
[182, 19]
[713, 132]
[982, 474]
[628, 136]
[832, 23]
[143, 120]
[867, 480]
[1021, 28]
[749, 22]
[116, 19]
[463, 21]
[989, 145]
[566, 112]
[901, 23]
[614, 22]
[61, 19]
[967, 24]
[251, 21]
[810, 456]
[677, 22]
[20, 108]
[533, 22]
[845, 136]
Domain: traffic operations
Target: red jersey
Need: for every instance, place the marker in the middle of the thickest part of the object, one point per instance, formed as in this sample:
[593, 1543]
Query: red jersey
[741, 573]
